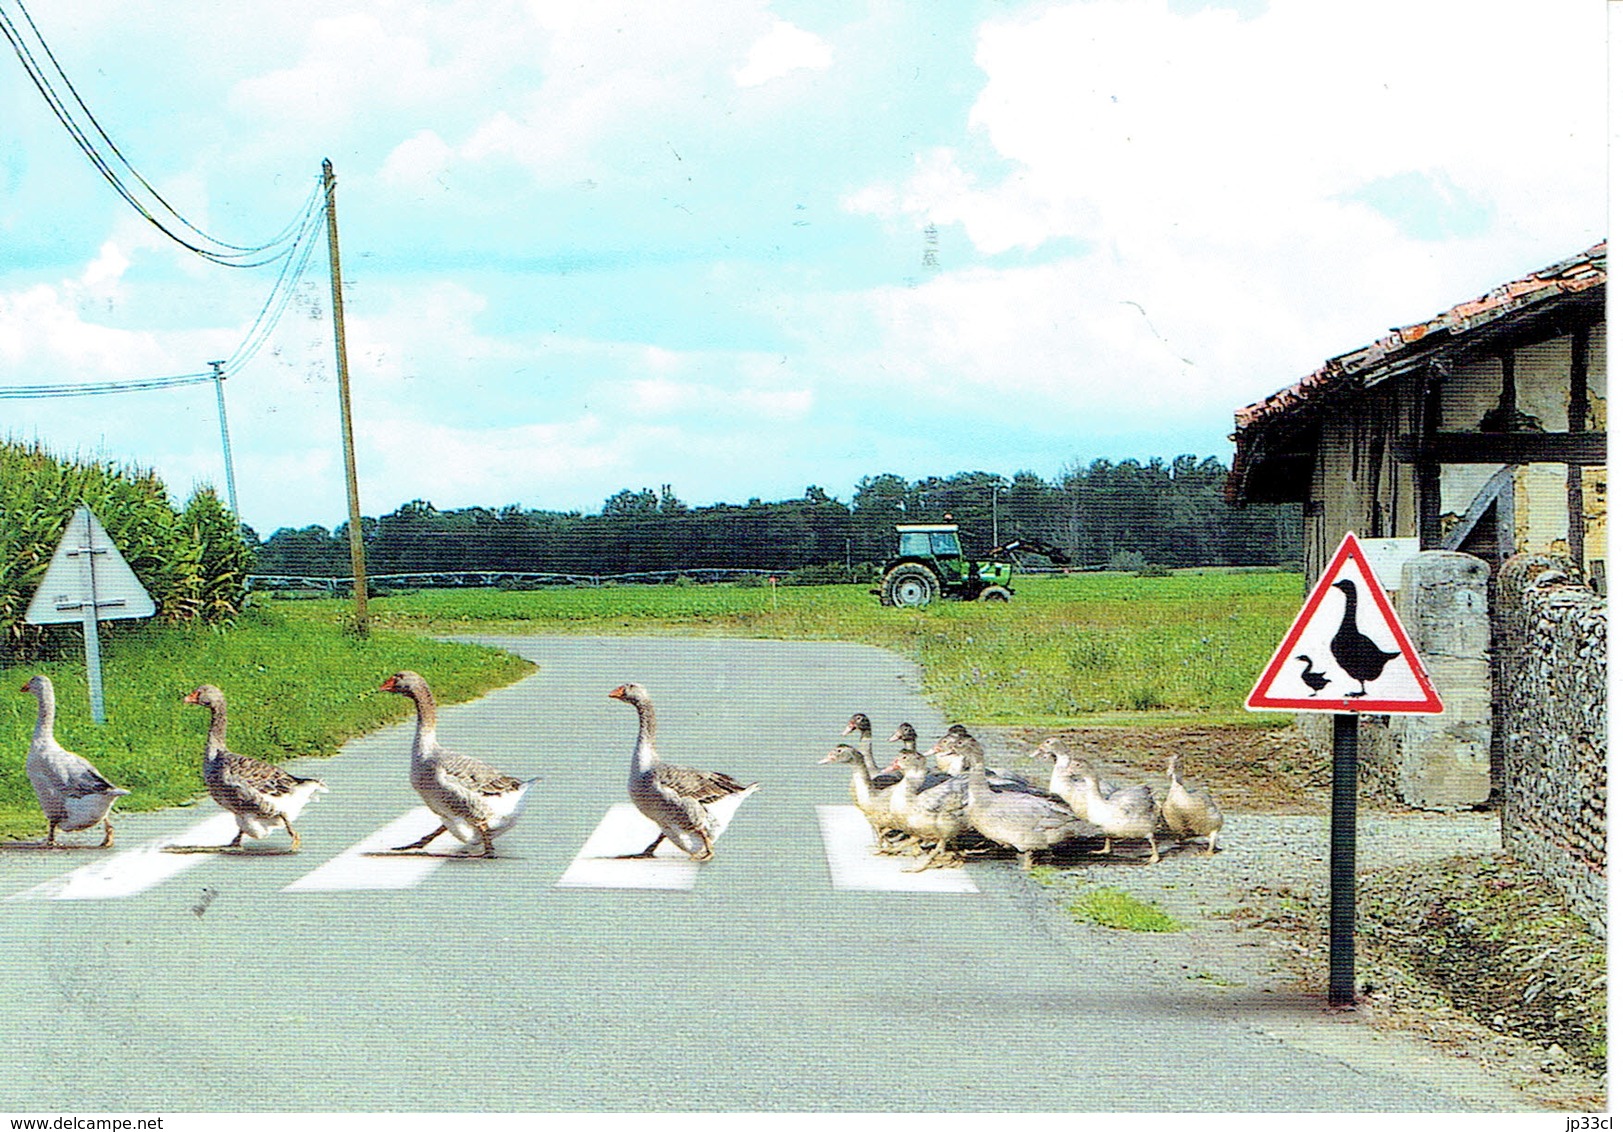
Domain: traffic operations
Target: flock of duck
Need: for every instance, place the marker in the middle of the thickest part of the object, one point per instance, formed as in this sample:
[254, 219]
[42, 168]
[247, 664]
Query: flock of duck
[910, 805]
[933, 812]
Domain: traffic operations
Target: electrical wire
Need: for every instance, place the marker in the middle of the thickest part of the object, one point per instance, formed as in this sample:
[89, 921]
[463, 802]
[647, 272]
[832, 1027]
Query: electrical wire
[279, 246]
[258, 333]
[96, 388]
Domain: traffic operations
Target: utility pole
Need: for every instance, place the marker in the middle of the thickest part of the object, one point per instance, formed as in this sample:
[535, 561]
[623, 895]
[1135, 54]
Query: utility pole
[357, 549]
[225, 440]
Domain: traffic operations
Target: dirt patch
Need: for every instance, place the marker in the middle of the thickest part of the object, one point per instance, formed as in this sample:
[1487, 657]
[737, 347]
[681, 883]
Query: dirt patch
[1477, 954]
[1257, 770]
[1458, 943]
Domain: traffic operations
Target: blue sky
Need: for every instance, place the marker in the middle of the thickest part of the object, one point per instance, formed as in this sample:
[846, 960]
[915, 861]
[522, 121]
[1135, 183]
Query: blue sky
[591, 246]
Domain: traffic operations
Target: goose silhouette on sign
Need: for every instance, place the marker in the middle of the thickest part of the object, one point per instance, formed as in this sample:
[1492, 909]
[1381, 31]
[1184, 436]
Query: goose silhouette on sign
[1358, 655]
[1314, 680]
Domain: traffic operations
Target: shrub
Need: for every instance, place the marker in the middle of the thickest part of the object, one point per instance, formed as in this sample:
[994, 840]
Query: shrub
[192, 562]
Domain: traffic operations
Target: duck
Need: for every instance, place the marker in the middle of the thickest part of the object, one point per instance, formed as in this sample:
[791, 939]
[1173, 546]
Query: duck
[1317, 681]
[949, 757]
[71, 791]
[1024, 822]
[861, 726]
[1128, 812]
[259, 795]
[907, 735]
[934, 813]
[1190, 811]
[871, 793]
[673, 797]
[474, 801]
[1357, 654]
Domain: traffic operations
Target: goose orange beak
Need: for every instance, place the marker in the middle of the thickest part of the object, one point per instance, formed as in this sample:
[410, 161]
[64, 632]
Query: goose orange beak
[388, 685]
[189, 698]
[619, 693]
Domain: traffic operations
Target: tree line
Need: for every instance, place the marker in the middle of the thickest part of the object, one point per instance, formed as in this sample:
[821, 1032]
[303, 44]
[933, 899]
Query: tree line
[1100, 514]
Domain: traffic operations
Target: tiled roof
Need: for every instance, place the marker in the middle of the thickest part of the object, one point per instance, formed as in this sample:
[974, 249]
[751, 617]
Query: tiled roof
[1263, 431]
[1362, 367]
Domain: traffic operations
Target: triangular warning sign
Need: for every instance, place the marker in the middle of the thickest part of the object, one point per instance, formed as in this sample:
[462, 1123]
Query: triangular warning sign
[1346, 651]
[87, 570]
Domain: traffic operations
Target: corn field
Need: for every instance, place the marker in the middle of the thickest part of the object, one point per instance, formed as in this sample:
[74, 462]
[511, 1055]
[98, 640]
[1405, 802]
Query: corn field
[192, 561]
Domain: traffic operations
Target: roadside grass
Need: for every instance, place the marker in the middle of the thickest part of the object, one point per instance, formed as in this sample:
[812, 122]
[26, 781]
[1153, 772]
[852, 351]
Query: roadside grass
[1113, 908]
[294, 686]
[1083, 648]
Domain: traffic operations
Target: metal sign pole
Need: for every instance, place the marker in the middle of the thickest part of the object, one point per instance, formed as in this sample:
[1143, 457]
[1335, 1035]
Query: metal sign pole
[88, 610]
[1343, 857]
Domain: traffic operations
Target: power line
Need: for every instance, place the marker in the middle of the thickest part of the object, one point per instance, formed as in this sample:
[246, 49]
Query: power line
[97, 388]
[224, 253]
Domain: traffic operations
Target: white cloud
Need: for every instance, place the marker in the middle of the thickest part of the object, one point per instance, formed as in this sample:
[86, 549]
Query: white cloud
[781, 51]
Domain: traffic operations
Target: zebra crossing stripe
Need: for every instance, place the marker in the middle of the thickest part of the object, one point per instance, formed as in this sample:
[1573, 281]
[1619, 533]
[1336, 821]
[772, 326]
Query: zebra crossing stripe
[848, 843]
[135, 870]
[354, 869]
[624, 830]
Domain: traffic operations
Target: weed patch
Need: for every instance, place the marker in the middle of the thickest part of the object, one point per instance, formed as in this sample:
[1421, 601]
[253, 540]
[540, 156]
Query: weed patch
[1113, 908]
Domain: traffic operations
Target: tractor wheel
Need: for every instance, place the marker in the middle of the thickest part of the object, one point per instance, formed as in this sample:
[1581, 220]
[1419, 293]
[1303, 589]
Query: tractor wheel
[994, 593]
[912, 586]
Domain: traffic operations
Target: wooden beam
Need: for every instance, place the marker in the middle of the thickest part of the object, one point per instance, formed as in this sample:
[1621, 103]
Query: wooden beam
[1577, 422]
[1585, 449]
[1428, 473]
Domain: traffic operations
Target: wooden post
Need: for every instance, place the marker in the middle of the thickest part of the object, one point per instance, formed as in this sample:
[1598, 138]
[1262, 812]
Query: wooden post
[1343, 857]
[357, 549]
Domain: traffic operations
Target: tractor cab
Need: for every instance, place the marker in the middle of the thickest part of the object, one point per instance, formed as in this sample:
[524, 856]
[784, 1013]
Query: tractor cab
[933, 542]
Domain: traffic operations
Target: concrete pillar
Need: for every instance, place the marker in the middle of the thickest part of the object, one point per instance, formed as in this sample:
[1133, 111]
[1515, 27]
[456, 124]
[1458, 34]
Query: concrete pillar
[1442, 762]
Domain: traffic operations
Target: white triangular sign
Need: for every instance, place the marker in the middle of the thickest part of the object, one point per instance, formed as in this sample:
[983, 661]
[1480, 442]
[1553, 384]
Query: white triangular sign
[87, 569]
[1346, 651]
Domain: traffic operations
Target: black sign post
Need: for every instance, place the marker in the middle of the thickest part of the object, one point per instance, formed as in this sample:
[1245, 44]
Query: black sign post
[1343, 857]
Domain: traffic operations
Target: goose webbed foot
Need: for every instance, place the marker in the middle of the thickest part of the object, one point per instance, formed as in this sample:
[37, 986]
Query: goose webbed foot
[107, 836]
[1102, 852]
[648, 852]
[419, 843]
[235, 842]
[293, 833]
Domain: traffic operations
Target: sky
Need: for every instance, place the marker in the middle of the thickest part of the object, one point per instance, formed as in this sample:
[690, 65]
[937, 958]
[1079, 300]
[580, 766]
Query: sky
[742, 247]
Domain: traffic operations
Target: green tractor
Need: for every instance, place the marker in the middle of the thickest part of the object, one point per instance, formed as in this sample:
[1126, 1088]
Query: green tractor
[930, 564]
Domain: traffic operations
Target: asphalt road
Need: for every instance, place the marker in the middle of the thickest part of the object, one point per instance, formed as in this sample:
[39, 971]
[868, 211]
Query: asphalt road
[487, 985]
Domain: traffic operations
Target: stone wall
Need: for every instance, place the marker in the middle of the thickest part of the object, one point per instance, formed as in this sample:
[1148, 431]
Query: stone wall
[1550, 667]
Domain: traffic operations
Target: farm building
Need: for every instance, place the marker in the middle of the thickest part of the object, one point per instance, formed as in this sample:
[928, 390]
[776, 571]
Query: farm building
[1482, 429]
[1480, 434]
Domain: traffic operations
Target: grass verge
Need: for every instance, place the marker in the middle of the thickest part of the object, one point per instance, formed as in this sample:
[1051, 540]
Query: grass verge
[296, 686]
[1113, 908]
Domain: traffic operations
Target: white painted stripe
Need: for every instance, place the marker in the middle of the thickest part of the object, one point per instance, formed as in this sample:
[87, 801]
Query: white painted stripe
[848, 843]
[353, 869]
[135, 870]
[624, 830]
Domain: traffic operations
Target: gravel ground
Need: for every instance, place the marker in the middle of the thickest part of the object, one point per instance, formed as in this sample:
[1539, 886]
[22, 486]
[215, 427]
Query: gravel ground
[1256, 911]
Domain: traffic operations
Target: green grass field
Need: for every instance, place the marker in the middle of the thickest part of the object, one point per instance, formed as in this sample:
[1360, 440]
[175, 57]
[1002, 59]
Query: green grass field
[1084, 648]
[1078, 648]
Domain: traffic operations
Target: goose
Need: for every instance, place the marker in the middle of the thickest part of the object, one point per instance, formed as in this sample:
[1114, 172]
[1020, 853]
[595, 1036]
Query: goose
[473, 800]
[673, 797]
[1190, 811]
[958, 746]
[1024, 822]
[1317, 681]
[1127, 812]
[1062, 780]
[72, 793]
[934, 814]
[1359, 656]
[871, 793]
[260, 796]
[862, 727]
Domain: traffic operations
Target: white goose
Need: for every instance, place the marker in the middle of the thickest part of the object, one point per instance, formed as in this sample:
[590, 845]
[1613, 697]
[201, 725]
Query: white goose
[473, 800]
[1190, 811]
[72, 793]
[673, 797]
[260, 796]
